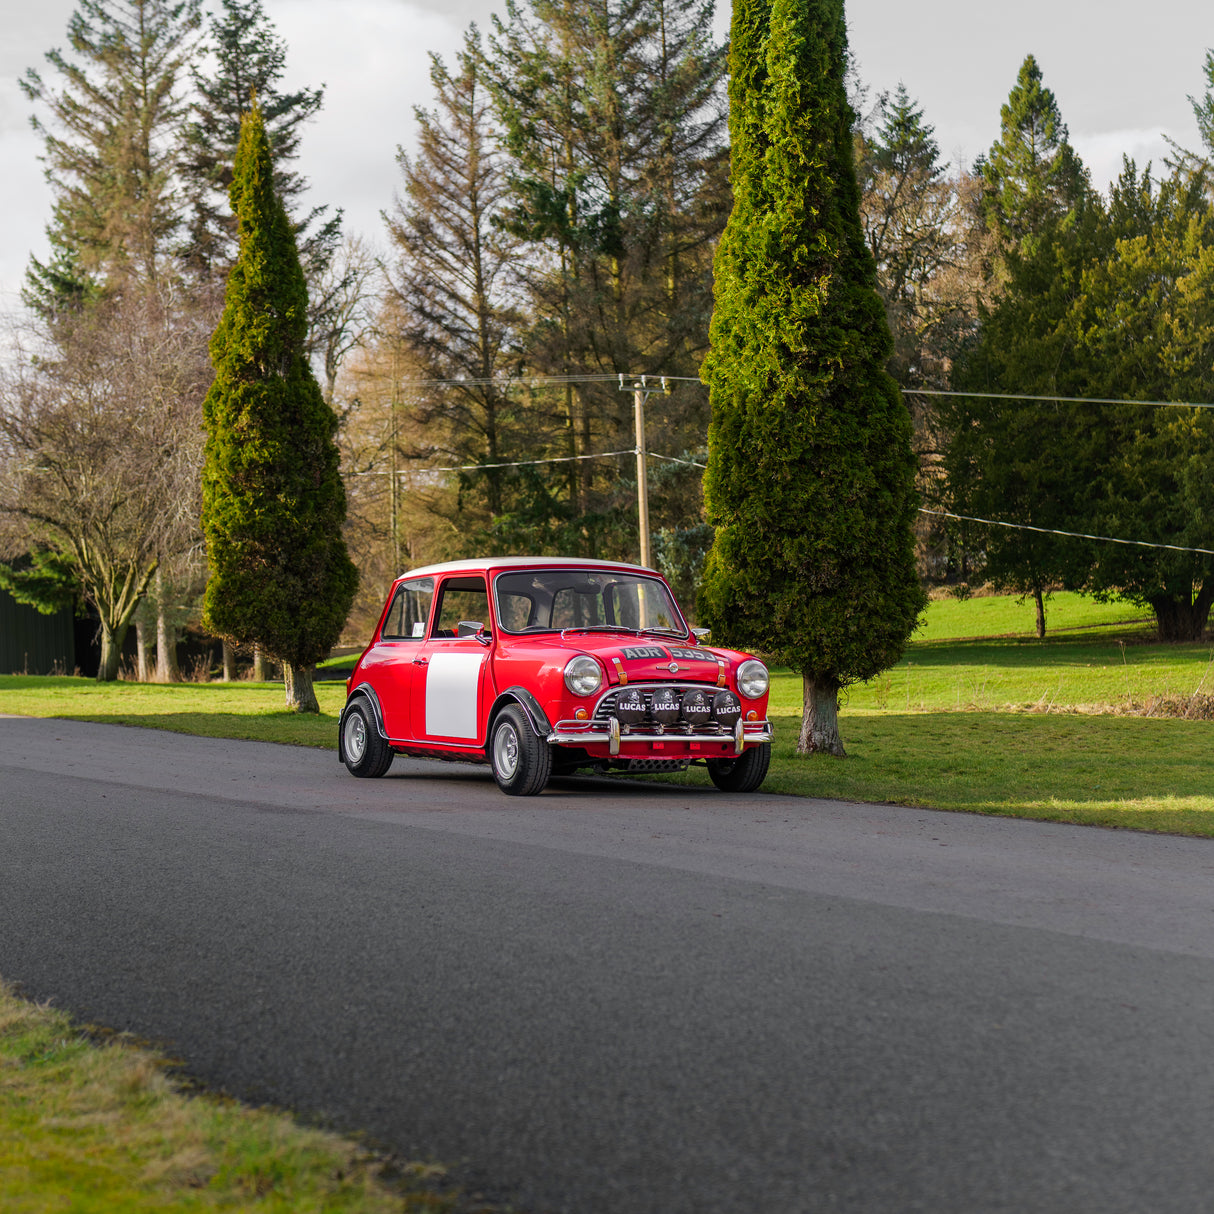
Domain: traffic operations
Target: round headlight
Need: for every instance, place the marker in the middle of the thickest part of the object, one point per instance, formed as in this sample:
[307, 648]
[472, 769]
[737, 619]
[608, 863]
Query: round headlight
[583, 675]
[752, 679]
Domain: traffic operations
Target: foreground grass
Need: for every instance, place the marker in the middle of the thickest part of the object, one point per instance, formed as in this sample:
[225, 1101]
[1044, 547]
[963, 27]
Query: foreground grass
[100, 1127]
[1098, 675]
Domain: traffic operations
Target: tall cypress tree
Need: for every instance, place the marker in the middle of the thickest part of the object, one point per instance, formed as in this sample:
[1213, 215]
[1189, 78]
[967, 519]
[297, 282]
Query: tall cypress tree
[810, 477]
[273, 499]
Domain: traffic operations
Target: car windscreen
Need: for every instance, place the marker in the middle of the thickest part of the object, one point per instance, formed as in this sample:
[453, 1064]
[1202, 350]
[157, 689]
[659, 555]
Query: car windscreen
[548, 600]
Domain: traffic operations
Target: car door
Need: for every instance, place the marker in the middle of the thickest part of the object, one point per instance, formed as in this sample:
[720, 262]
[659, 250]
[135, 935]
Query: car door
[389, 666]
[449, 685]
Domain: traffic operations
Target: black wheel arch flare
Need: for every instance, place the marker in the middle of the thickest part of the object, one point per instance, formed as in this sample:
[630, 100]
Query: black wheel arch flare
[365, 692]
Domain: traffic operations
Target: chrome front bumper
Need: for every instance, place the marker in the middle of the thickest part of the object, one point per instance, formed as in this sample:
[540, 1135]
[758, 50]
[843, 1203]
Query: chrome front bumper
[573, 733]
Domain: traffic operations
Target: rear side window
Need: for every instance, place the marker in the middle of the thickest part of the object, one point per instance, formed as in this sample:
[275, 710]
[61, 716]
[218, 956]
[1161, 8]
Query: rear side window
[406, 618]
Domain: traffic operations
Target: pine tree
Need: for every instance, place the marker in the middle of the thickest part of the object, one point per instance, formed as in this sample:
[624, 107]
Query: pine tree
[250, 59]
[1019, 462]
[1031, 174]
[1203, 111]
[615, 123]
[273, 500]
[1062, 326]
[454, 285]
[912, 224]
[810, 477]
[112, 148]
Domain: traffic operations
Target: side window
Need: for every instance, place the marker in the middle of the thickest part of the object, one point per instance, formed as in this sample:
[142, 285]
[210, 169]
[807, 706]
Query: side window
[406, 618]
[464, 600]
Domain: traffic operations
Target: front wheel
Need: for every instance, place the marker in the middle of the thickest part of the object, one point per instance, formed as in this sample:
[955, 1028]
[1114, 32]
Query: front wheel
[521, 762]
[743, 774]
[366, 754]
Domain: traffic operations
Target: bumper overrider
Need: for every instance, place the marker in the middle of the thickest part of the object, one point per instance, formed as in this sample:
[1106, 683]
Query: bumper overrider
[680, 714]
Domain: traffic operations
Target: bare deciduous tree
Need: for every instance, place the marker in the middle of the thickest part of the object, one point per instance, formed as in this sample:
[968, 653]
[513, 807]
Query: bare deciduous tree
[100, 447]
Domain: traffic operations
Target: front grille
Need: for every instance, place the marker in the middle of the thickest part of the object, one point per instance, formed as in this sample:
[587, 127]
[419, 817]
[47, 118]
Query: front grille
[605, 709]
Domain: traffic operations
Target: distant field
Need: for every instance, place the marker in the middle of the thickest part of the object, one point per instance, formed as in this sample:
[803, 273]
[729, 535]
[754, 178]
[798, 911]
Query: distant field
[949, 619]
[1093, 675]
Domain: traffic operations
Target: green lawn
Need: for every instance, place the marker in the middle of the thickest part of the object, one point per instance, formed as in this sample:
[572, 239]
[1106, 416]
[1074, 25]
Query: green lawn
[216, 710]
[1004, 615]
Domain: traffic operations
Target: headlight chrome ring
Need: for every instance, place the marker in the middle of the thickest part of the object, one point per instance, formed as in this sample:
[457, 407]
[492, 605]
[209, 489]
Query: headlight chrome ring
[583, 675]
[753, 679]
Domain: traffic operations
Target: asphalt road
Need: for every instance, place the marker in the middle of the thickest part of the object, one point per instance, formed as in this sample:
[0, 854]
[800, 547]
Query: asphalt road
[624, 999]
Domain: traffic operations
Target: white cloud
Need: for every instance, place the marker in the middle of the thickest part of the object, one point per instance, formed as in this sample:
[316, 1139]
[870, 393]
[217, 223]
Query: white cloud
[375, 66]
[1102, 153]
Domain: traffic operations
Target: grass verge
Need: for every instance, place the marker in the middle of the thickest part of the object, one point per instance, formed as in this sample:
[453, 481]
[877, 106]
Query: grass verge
[94, 1127]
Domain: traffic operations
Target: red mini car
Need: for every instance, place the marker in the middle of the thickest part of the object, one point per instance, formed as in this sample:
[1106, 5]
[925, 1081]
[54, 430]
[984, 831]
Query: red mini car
[546, 665]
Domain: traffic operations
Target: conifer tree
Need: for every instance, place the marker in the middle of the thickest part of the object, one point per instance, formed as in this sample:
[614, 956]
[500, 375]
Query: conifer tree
[614, 119]
[1009, 460]
[112, 147]
[453, 283]
[1031, 174]
[249, 58]
[810, 476]
[273, 499]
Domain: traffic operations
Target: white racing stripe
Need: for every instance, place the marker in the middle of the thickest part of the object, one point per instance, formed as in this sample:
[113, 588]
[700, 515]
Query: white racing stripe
[452, 680]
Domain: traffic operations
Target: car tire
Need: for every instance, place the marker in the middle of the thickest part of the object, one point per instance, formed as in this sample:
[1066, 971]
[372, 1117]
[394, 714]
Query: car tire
[365, 753]
[743, 774]
[521, 761]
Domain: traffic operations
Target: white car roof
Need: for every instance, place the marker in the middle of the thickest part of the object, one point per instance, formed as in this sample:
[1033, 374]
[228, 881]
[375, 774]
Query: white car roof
[484, 564]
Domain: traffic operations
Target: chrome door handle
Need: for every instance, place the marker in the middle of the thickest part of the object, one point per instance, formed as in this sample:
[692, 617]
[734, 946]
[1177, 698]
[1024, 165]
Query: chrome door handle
[420, 661]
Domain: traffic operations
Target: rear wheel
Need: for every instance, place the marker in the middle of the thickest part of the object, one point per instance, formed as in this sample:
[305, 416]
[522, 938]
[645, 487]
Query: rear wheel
[366, 754]
[521, 761]
[743, 774]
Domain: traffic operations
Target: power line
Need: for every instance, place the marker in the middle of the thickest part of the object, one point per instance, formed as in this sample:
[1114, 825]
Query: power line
[964, 518]
[542, 381]
[690, 463]
[519, 463]
[628, 379]
[1075, 535]
[640, 382]
[1070, 400]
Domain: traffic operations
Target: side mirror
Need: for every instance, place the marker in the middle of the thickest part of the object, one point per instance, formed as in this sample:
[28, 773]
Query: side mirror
[700, 633]
[473, 628]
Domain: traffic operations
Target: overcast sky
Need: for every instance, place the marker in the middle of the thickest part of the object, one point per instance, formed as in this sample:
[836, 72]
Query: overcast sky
[1120, 90]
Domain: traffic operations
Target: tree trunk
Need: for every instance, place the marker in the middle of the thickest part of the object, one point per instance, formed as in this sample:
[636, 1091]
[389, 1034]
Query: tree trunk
[166, 669]
[259, 666]
[111, 654]
[143, 663]
[301, 696]
[1179, 620]
[1040, 601]
[820, 718]
[229, 662]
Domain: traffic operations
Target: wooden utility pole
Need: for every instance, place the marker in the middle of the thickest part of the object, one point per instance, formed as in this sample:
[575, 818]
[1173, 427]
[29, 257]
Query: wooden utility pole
[641, 388]
[638, 402]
